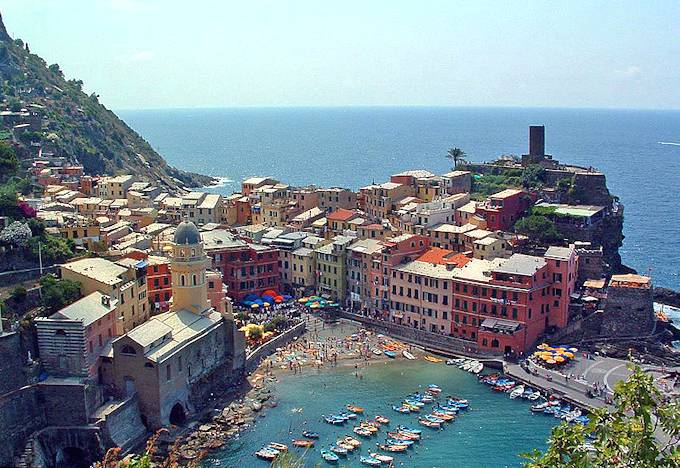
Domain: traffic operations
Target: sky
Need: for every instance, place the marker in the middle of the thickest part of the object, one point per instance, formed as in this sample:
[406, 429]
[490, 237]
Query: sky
[141, 54]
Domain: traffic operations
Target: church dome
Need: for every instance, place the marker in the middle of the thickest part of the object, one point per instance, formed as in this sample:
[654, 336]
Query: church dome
[187, 234]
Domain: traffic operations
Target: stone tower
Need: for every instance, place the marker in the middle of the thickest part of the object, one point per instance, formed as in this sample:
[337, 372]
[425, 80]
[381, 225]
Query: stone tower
[189, 263]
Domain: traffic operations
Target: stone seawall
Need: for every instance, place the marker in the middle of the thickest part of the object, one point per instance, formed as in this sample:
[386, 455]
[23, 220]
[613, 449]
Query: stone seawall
[21, 414]
[255, 357]
[434, 342]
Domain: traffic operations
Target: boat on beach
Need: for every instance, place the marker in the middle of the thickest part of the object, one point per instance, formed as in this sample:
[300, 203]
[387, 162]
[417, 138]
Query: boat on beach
[390, 354]
[377, 351]
[433, 359]
[408, 355]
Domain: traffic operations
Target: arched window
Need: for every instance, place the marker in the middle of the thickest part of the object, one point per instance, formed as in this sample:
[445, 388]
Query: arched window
[60, 332]
[181, 280]
[149, 365]
[494, 343]
[193, 252]
[194, 280]
[127, 349]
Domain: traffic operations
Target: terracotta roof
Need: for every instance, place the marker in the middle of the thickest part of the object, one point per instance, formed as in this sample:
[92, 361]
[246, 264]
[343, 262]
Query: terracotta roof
[441, 256]
[341, 214]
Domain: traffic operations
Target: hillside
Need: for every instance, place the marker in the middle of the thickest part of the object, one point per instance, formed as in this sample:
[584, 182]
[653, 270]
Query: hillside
[67, 122]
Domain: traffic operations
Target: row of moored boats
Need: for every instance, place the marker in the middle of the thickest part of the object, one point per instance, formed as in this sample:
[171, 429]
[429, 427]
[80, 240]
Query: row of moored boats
[470, 365]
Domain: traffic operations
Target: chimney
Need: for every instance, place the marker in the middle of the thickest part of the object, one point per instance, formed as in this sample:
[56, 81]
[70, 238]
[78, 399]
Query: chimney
[537, 140]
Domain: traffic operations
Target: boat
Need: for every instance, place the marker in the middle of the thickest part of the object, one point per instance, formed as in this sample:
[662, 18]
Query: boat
[451, 362]
[390, 354]
[551, 409]
[434, 419]
[277, 446]
[376, 351]
[516, 392]
[267, 454]
[310, 434]
[352, 441]
[477, 368]
[401, 409]
[355, 409]
[408, 355]
[392, 448]
[409, 429]
[383, 458]
[406, 442]
[433, 359]
[342, 445]
[432, 388]
[412, 408]
[444, 416]
[340, 450]
[541, 407]
[534, 396]
[329, 456]
[382, 419]
[369, 427]
[369, 461]
[334, 420]
[573, 415]
[346, 415]
[582, 420]
[303, 443]
[414, 402]
[362, 431]
[404, 435]
[430, 424]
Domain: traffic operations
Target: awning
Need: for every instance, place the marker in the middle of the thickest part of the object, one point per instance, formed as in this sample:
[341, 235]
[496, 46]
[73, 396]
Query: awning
[500, 325]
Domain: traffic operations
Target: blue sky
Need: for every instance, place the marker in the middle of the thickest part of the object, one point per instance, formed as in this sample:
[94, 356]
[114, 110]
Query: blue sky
[167, 53]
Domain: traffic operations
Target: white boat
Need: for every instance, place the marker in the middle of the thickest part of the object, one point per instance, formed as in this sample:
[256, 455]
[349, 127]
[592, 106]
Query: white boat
[477, 368]
[376, 351]
[468, 364]
[408, 355]
[517, 392]
[572, 415]
[534, 396]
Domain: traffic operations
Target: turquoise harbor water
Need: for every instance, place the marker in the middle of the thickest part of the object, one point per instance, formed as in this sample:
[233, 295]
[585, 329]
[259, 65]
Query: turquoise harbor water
[639, 151]
[491, 434]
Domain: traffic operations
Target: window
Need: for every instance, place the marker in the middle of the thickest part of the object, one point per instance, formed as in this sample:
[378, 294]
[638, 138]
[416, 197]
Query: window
[127, 349]
[168, 372]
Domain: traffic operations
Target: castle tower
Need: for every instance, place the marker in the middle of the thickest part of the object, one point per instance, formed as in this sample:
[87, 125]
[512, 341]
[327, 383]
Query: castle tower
[188, 266]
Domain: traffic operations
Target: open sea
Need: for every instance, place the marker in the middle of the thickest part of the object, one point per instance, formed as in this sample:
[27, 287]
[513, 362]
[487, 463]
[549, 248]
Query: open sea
[638, 150]
[491, 434]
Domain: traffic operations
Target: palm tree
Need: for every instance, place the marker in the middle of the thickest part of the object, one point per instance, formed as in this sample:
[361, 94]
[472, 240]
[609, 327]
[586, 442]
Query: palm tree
[457, 155]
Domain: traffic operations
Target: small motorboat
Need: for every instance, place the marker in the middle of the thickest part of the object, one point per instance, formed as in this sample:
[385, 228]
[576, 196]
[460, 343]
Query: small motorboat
[539, 408]
[342, 445]
[334, 420]
[277, 446]
[310, 434]
[447, 409]
[444, 416]
[408, 355]
[582, 420]
[392, 448]
[517, 392]
[477, 368]
[369, 461]
[433, 359]
[352, 441]
[434, 419]
[329, 456]
[362, 431]
[390, 354]
[346, 415]
[534, 396]
[382, 419]
[401, 409]
[355, 409]
[412, 408]
[573, 415]
[383, 458]
[405, 442]
[404, 435]
[451, 362]
[303, 443]
[267, 454]
[430, 424]
[412, 430]
[432, 388]
[414, 402]
[369, 427]
[376, 351]
[339, 450]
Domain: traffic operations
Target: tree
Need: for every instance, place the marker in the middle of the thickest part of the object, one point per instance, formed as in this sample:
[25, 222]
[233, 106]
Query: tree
[628, 436]
[58, 293]
[533, 176]
[9, 164]
[457, 155]
[17, 234]
[19, 294]
[539, 228]
[52, 248]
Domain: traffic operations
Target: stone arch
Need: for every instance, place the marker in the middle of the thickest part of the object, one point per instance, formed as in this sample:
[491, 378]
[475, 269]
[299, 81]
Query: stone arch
[494, 343]
[182, 280]
[178, 415]
[194, 280]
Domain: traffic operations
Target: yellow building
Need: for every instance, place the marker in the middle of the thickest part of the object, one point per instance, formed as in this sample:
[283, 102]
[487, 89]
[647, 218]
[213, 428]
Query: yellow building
[189, 263]
[330, 268]
[123, 281]
[81, 235]
[303, 270]
[115, 187]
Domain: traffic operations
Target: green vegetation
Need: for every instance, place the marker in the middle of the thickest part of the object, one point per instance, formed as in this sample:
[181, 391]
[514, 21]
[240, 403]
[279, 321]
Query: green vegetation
[274, 324]
[75, 123]
[58, 293]
[9, 164]
[53, 249]
[19, 293]
[624, 437]
[538, 228]
[456, 155]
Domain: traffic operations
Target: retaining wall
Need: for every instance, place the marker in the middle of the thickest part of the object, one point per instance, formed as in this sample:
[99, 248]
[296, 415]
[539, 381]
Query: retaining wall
[253, 359]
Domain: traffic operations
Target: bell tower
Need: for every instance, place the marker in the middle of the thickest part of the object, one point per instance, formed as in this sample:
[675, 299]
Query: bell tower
[188, 266]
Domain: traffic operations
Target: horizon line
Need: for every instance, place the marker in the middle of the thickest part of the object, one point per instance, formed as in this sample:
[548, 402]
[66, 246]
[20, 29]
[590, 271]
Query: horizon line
[390, 106]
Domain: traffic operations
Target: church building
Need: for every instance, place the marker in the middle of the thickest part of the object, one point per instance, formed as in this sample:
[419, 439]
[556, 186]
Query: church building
[174, 360]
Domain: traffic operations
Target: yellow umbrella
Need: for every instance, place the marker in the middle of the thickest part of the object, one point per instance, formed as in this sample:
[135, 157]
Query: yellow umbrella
[543, 346]
[302, 300]
[550, 361]
[255, 306]
[569, 355]
[266, 304]
[559, 359]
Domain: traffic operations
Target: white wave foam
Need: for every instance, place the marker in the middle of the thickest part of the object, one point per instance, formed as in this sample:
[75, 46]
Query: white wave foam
[670, 143]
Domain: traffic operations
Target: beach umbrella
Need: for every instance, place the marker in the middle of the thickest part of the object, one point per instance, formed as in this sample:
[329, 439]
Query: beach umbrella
[266, 304]
[569, 355]
[559, 359]
[302, 300]
[573, 350]
[314, 306]
[543, 346]
[251, 297]
[254, 306]
[287, 297]
[551, 361]
[278, 300]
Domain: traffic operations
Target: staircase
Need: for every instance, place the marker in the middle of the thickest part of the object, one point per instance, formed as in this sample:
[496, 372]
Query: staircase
[26, 459]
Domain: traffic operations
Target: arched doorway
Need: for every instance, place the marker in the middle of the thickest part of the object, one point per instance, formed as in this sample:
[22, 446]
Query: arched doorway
[177, 415]
[71, 457]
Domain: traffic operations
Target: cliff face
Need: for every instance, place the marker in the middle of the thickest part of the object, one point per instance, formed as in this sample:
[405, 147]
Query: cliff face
[74, 124]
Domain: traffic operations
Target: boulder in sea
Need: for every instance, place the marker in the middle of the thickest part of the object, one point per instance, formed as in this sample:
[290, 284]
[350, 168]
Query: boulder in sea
[256, 406]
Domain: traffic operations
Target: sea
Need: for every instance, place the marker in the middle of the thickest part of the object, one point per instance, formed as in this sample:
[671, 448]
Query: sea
[638, 150]
[493, 433]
